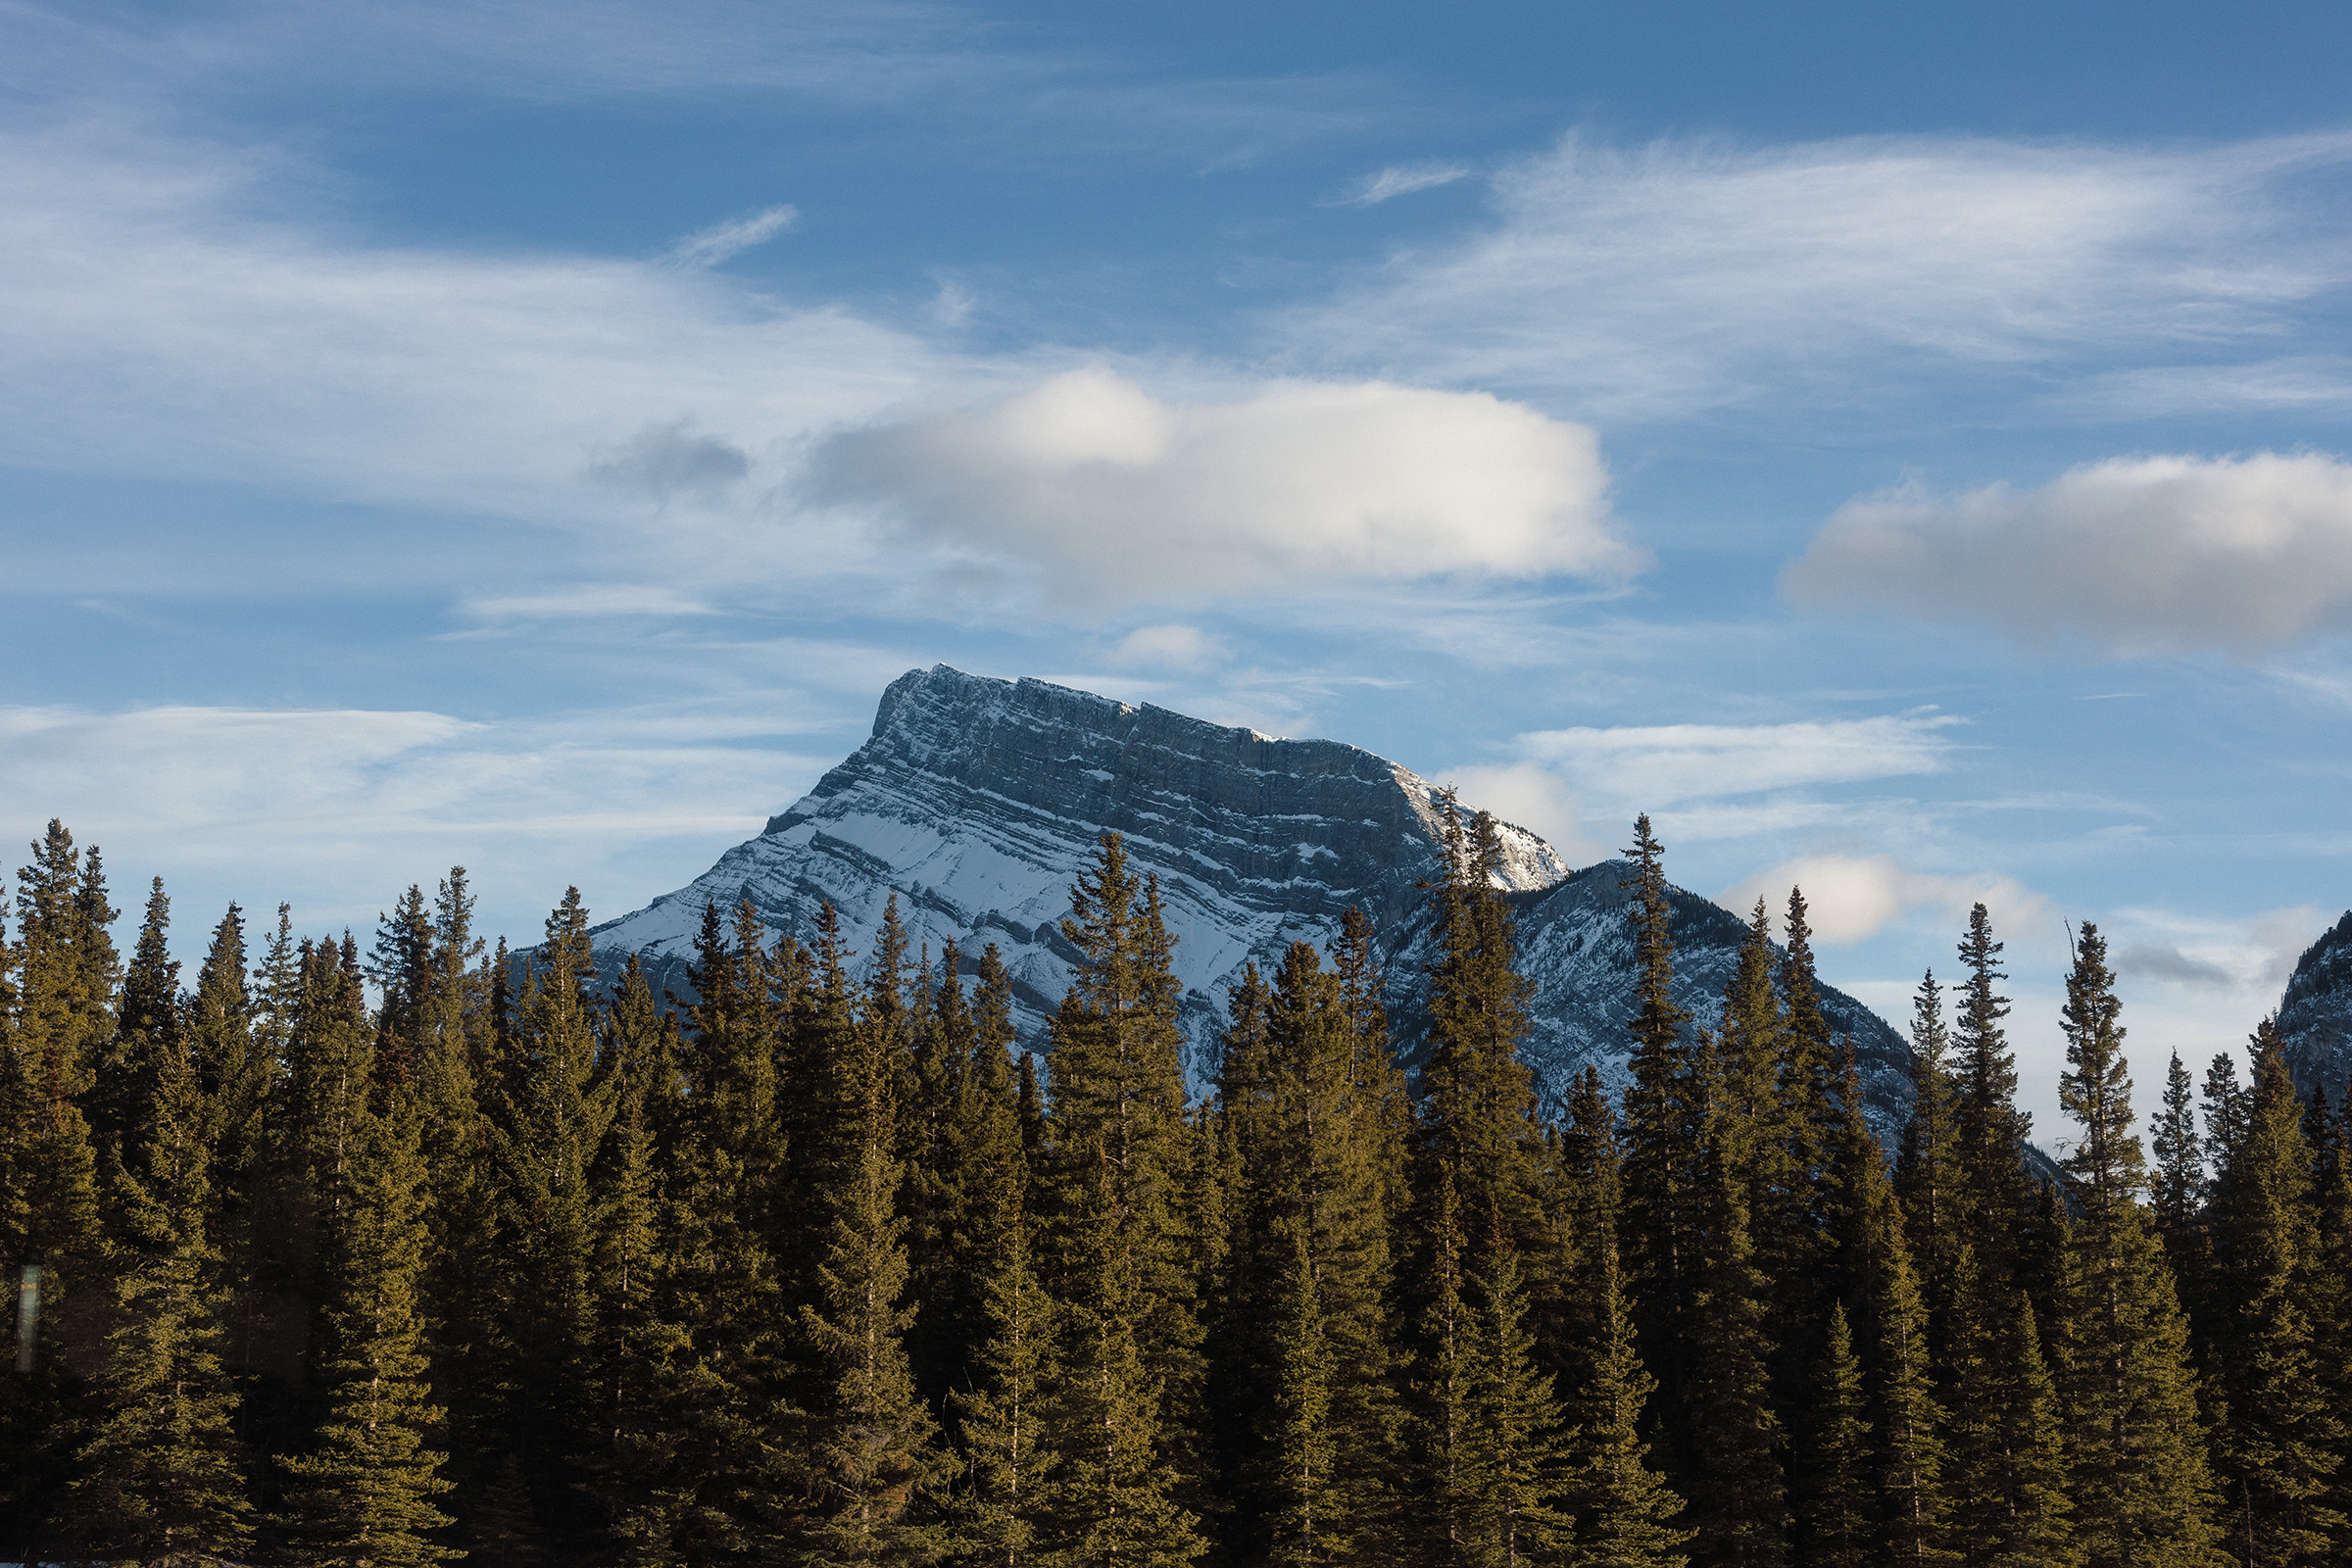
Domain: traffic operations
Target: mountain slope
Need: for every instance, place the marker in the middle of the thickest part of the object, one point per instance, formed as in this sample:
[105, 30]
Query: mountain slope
[2315, 1016]
[977, 801]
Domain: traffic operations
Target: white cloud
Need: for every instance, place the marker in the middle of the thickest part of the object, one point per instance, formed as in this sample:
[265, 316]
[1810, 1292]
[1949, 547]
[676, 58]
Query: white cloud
[1402, 179]
[1533, 798]
[665, 461]
[1169, 647]
[339, 810]
[1653, 766]
[590, 600]
[158, 327]
[2135, 553]
[720, 242]
[1850, 899]
[2248, 958]
[1119, 496]
[1693, 275]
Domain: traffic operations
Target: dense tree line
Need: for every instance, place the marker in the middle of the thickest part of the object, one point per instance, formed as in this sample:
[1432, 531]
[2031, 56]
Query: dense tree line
[387, 1257]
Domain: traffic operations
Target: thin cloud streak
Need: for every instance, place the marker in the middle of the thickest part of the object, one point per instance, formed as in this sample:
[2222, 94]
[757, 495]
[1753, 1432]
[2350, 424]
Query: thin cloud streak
[1664, 281]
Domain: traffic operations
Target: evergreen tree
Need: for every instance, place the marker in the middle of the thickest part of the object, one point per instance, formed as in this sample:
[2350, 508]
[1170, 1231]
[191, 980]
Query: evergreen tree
[363, 1493]
[1445, 1386]
[1119, 1149]
[1514, 1452]
[2008, 1474]
[1992, 1130]
[2178, 1194]
[1906, 1415]
[1660, 1140]
[1928, 1167]
[873, 1457]
[553, 1115]
[1624, 1510]
[2139, 1481]
[2280, 1442]
[1000, 1416]
[50, 1238]
[1478, 1101]
[162, 1480]
[1836, 1506]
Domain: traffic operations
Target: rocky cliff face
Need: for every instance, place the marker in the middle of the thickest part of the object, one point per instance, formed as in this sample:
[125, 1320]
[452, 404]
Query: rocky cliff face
[2315, 1017]
[976, 803]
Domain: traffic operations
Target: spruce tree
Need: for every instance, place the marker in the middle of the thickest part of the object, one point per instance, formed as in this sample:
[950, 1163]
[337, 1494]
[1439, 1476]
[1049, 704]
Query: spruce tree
[1514, 1452]
[1837, 1503]
[2007, 1479]
[1478, 1101]
[1623, 1508]
[363, 1493]
[1001, 1415]
[1126, 1426]
[1927, 1168]
[872, 1444]
[2140, 1485]
[2282, 1439]
[1660, 1135]
[50, 1256]
[1904, 1412]
[1992, 1130]
[162, 1481]
[552, 1118]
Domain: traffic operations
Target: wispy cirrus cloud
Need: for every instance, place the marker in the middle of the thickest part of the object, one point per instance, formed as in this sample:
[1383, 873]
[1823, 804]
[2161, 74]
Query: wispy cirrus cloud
[1402, 179]
[720, 242]
[1664, 280]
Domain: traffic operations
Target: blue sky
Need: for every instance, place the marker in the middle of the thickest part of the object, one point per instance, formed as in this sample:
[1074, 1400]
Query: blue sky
[1904, 449]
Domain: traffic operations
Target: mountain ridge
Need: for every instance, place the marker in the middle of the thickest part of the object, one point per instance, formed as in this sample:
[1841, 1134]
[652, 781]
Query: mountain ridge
[975, 801]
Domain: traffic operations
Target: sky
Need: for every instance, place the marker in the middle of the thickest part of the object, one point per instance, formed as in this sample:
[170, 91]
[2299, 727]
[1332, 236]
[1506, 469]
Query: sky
[1903, 448]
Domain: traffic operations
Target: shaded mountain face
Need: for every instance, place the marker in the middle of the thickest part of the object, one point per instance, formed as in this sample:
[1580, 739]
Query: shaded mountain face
[977, 803]
[2315, 1017]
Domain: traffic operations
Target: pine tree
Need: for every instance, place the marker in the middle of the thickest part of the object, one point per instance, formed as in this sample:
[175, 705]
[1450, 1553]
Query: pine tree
[50, 1247]
[1000, 1416]
[1837, 1503]
[2139, 1480]
[162, 1480]
[1992, 1130]
[1126, 1430]
[1443, 1387]
[1514, 1452]
[2008, 1475]
[147, 1029]
[2281, 1441]
[1904, 1412]
[364, 1493]
[1660, 1140]
[1478, 1101]
[552, 1118]
[1737, 1439]
[1624, 1510]
[873, 1454]
[1929, 1167]
[2178, 1194]
[1308, 1124]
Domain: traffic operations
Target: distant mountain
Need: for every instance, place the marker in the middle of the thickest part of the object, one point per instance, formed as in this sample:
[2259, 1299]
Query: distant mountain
[2315, 1017]
[977, 801]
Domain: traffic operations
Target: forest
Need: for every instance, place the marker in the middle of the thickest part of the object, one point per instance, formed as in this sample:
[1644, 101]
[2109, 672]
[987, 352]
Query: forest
[424, 1251]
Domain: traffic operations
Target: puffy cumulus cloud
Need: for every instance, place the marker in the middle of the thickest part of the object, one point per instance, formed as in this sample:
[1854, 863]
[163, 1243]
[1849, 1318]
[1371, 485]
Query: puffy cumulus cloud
[1850, 899]
[1119, 496]
[2137, 555]
[1170, 647]
[1656, 764]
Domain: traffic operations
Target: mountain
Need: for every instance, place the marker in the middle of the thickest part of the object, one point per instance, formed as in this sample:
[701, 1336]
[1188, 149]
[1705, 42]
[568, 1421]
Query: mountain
[977, 801]
[2315, 1017]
